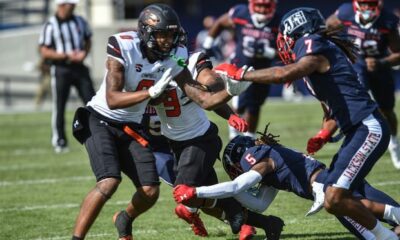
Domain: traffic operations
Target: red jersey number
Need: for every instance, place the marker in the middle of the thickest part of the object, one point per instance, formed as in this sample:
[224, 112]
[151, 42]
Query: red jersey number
[144, 84]
[171, 104]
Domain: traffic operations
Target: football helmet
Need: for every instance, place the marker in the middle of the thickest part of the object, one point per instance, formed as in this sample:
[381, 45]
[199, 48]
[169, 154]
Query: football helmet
[294, 25]
[233, 153]
[368, 10]
[158, 18]
[264, 14]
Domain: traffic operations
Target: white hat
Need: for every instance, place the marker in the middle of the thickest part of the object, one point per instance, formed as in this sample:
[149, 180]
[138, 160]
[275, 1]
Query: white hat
[66, 1]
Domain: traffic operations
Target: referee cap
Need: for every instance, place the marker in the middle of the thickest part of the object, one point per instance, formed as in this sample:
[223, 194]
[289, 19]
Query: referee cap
[66, 1]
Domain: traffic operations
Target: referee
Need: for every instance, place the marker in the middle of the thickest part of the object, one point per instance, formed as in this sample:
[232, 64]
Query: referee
[65, 42]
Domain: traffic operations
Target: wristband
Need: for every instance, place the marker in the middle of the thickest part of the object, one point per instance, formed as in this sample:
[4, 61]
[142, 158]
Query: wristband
[324, 134]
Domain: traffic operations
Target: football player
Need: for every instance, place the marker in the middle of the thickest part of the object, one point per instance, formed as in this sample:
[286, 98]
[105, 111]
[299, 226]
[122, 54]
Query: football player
[255, 29]
[324, 60]
[194, 140]
[140, 66]
[266, 165]
[376, 34]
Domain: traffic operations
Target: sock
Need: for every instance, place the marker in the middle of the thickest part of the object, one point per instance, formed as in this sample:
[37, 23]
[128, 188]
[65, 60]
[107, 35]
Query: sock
[234, 213]
[383, 233]
[393, 140]
[392, 214]
[76, 238]
[321, 177]
[272, 225]
[190, 209]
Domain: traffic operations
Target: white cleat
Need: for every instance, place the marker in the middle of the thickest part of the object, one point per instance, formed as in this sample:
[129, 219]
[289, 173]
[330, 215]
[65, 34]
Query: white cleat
[319, 197]
[394, 150]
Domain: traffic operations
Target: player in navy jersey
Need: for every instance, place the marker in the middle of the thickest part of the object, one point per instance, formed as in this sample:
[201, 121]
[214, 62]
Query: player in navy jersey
[324, 60]
[375, 31]
[255, 29]
[266, 165]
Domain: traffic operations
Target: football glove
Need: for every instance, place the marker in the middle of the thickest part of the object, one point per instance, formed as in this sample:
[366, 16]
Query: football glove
[238, 123]
[184, 193]
[318, 141]
[232, 71]
[159, 87]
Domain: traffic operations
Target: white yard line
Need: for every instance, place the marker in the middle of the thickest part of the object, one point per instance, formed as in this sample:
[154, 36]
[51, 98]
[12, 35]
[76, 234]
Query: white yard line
[18, 167]
[45, 181]
[60, 206]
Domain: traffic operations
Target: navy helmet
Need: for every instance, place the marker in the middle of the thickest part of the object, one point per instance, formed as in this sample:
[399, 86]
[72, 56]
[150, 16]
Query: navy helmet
[295, 24]
[233, 152]
[158, 18]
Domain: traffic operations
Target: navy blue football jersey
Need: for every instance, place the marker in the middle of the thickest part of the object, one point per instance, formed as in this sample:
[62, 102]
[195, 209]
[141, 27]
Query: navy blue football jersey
[338, 89]
[292, 169]
[372, 41]
[251, 39]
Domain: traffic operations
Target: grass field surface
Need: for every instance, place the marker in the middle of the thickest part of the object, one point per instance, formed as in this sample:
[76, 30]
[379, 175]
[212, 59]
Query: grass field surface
[40, 191]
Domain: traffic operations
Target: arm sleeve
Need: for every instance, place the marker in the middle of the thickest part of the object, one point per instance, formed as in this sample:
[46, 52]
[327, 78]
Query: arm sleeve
[229, 189]
[260, 202]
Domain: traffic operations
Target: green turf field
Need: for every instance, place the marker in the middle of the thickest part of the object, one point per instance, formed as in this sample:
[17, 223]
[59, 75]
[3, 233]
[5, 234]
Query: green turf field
[40, 191]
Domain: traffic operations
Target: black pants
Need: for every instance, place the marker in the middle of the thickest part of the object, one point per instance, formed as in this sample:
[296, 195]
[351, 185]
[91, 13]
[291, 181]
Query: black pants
[62, 78]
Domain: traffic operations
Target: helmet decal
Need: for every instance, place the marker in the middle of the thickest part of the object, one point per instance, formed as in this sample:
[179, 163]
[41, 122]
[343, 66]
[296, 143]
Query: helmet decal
[293, 22]
[158, 18]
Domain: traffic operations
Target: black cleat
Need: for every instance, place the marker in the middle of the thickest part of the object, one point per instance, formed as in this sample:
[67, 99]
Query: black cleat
[274, 228]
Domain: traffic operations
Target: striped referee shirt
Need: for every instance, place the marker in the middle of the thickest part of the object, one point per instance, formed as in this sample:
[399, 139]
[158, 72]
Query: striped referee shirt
[65, 36]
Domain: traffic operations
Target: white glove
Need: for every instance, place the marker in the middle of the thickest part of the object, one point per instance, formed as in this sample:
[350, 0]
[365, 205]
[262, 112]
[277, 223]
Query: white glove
[319, 197]
[159, 87]
[234, 87]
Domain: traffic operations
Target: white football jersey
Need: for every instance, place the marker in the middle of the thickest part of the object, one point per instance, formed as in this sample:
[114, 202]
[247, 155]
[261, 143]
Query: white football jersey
[139, 74]
[181, 118]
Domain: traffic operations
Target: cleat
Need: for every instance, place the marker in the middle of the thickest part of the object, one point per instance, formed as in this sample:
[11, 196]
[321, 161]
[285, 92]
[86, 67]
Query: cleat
[394, 150]
[319, 198]
[193, 219]
[247, 232]
[274, 228]
[123, 223]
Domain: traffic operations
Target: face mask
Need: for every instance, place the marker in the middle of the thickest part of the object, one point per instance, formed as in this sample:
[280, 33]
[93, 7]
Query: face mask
[260, 17]
[366, 15]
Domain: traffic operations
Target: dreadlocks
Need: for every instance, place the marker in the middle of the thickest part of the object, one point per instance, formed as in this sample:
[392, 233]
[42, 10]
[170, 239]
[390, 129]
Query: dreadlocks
[343, 41]
[267, 138]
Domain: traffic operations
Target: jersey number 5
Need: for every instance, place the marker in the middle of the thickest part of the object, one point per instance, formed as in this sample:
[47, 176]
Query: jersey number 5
[250, 159]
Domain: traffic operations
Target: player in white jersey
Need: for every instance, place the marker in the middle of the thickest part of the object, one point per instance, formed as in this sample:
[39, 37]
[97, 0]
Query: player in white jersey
[139, 67]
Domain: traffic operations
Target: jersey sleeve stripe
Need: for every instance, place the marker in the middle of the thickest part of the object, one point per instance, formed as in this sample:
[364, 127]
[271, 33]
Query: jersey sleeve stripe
[113, 49]
[240, 21]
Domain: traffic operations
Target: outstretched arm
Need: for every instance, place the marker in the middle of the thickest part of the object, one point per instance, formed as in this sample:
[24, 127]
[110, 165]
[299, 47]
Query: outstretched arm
[289, 73]
[209, 91]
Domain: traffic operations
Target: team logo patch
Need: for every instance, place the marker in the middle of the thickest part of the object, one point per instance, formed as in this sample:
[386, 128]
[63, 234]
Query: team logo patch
[294, 21]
